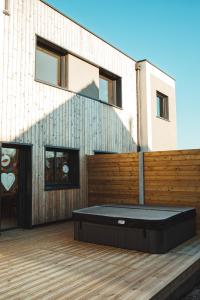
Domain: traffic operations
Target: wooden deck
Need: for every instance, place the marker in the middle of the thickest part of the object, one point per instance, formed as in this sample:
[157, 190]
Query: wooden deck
[46, 263]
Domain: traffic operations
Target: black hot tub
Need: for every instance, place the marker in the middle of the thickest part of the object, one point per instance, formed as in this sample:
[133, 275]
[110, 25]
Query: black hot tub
[154, 229]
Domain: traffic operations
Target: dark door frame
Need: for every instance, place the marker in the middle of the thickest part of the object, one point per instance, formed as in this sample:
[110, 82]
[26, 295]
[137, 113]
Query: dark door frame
[25, 202]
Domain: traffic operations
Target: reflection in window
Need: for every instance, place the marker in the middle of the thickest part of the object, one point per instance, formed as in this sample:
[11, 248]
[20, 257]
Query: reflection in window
[103, 89]
[109, 88]
[162, 106]
[47, 66]
[49, 167]
[51, 63]
[61, 168]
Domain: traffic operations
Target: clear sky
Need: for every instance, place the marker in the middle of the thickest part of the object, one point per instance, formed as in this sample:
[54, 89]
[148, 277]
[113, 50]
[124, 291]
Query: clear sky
[166, 32]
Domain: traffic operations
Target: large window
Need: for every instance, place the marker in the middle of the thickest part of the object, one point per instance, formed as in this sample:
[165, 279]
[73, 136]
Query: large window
[109, 88]
[50, 64]
[61, 168]
[162, 106]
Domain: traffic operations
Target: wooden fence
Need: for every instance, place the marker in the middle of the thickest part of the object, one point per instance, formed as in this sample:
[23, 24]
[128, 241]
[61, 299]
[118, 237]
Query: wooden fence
[113, 178]
[170, 178]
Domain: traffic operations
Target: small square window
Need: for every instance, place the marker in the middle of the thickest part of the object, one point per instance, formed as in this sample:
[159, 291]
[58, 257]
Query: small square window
[61, 168]
[109, 88]
[50, 64]
[162, 106]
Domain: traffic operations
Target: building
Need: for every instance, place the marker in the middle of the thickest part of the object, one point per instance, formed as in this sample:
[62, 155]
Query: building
[66, 93]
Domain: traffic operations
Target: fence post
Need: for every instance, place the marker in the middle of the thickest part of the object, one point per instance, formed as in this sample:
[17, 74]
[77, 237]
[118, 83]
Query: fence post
[141, 178]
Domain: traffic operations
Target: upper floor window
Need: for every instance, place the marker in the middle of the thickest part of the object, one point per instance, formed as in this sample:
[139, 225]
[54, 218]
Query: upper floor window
[109, 88]
[162, 106]
[61, 168]
[50, 66]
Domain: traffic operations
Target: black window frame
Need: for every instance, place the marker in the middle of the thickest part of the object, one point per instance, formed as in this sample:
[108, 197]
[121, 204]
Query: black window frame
[98, 152]
[57, 186]
[116, 83]
[164, 106]
[62, 54]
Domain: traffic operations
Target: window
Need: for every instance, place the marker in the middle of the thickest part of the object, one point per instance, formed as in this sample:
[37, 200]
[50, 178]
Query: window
[109, 88]
[162, 106]
[97, 152]
[50, 65]
[61, 168]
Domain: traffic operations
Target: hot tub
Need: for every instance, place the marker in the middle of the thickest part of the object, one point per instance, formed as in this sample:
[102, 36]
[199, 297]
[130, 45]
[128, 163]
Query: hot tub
[154, 229]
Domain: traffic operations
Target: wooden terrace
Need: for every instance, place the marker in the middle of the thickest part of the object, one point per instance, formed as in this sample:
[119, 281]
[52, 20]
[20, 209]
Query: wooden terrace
[46, 263]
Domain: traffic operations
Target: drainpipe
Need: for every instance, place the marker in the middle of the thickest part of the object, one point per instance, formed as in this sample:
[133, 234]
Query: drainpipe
[138, 68]
[141, 153]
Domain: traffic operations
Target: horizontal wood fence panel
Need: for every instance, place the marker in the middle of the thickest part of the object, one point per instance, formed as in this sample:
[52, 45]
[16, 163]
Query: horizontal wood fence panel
[173, 178]
[170, 178]
[113, 178]
[175, 152]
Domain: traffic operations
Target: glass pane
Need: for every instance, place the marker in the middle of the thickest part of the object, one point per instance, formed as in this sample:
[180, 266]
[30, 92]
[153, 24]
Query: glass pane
[9, 187]
[158, 106]
[166, 111]
[63, 168]
[49, 167]
[9, 170]
[47, 66]
[103, 89]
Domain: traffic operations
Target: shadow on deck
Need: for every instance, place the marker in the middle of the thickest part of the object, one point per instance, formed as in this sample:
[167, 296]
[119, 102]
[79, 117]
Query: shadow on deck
[46, 263]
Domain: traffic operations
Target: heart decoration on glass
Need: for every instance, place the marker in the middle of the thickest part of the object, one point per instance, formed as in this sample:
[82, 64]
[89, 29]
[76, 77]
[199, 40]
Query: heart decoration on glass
[7, 180]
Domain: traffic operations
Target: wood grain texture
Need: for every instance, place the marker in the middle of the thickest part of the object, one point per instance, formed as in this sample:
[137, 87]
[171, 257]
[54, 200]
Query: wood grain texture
[113, 178]
[46, 263]
[172, 178]
[40, 114]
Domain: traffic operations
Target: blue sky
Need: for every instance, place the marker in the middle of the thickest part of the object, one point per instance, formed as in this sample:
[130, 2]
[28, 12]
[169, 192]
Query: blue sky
[167, 32]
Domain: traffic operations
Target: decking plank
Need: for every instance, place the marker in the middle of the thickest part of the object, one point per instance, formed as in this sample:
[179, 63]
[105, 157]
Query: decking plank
[46, 263]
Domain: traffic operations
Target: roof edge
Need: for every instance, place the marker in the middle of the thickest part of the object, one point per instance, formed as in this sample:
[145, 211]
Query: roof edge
[63, 14]
[146, 60]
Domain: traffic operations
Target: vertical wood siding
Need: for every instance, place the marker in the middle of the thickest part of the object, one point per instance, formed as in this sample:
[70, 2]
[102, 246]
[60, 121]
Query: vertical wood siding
[35, 113]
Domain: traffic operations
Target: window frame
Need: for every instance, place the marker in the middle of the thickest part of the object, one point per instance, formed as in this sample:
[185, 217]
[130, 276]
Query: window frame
[61, 186]
[114, 84]
[165, 104]
[49, 45]
[58, 57]
[62, 56]
[98, 152]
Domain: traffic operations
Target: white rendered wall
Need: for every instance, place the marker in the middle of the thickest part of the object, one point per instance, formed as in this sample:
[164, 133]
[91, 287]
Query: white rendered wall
[157, 134]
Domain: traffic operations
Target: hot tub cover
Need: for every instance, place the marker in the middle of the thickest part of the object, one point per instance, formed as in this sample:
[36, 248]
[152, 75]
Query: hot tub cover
[155, 217]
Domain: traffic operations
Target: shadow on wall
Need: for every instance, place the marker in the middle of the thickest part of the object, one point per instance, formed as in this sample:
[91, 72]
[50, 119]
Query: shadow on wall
[89, 90]
[61, 118]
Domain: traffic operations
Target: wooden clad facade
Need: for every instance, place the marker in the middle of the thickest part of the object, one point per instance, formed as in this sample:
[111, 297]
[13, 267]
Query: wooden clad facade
[170, 178]
[38, 114]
